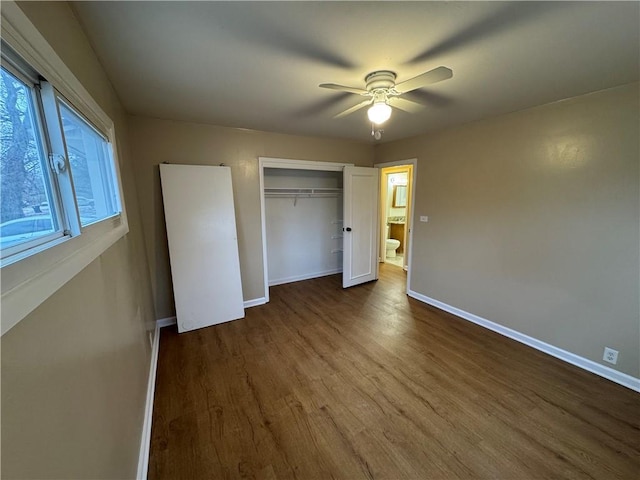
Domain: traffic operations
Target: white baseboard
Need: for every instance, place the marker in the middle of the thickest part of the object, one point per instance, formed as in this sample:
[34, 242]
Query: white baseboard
[584, 363]
[255, 302]
[166, 322]
[307, 276]
[145, 441]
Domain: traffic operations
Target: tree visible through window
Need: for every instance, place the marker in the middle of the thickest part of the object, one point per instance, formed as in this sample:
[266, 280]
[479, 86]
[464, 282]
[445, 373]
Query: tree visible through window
[24, 188]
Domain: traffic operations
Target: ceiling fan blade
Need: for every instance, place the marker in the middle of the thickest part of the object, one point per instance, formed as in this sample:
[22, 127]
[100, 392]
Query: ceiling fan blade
[406, 105]
[342, 88]
[349, 111]
[427, 78]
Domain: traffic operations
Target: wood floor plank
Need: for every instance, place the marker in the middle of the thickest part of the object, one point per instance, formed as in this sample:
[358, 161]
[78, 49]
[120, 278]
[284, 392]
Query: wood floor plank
[368, 383]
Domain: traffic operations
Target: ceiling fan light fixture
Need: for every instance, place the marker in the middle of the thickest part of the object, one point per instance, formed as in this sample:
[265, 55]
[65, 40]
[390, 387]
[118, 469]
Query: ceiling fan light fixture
[379, 113]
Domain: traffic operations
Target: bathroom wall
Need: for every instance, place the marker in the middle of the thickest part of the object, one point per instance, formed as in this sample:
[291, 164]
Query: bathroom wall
[534, 221]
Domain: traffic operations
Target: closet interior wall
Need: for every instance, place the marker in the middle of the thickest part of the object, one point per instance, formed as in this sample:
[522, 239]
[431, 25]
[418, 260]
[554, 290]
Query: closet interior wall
[303, 213]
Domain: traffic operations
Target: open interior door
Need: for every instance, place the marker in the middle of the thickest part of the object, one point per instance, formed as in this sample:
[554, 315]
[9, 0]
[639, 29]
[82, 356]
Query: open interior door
[360, 227]
[203, 244]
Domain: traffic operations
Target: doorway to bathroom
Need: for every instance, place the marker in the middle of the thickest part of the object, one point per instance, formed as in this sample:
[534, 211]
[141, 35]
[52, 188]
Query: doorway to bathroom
[396, 212]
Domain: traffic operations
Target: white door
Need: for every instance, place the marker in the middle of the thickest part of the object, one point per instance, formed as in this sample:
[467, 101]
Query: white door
[203, 244]
[360, 256]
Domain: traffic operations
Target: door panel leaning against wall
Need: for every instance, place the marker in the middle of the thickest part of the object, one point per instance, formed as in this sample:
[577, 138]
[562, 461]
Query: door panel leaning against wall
[203, 244]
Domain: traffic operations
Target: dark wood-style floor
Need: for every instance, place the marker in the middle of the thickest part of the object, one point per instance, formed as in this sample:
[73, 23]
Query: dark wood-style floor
[367, 383]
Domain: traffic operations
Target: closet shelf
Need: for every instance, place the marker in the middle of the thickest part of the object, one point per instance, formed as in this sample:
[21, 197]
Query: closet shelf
[301, 192]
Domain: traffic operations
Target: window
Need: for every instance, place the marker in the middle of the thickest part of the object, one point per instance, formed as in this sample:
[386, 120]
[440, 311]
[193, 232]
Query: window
[59, 171]
[89, 155]
[24, 176]
[45, 195]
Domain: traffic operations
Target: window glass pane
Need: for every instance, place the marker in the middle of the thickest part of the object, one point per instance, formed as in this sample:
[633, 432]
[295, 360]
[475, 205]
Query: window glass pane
[25, 191]
[91, 167]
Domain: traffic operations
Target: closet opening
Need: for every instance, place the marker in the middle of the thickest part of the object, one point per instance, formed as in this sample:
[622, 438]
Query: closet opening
[302, 219]
[303, 216]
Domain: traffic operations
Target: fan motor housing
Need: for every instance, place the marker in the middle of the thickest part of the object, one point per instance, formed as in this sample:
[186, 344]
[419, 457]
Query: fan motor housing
[385, 79]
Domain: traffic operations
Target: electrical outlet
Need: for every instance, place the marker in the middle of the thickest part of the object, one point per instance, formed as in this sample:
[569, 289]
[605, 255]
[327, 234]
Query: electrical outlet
[610, 355]
[424, 218]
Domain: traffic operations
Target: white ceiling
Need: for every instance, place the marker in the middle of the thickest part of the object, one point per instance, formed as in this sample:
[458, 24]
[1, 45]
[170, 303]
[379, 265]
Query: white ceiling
[257, 65]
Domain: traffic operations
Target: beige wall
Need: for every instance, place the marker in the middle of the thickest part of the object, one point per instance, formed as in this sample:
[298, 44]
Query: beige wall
[74, 372]
[155, 141]
[534, 221]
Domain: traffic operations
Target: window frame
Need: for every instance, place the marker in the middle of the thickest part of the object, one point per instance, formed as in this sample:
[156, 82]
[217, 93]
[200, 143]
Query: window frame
[60, 102]
[30, 81]
[28, 280]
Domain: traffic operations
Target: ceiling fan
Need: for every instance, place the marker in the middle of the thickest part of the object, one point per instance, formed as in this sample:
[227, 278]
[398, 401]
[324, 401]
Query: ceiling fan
[383, 92]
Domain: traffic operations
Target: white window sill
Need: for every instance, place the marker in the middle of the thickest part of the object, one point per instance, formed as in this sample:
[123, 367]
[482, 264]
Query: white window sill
[29, 282]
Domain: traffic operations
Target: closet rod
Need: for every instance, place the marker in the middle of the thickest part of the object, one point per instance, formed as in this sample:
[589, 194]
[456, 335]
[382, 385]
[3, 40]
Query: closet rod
[301, 191]
[301, 194]
[296, 193]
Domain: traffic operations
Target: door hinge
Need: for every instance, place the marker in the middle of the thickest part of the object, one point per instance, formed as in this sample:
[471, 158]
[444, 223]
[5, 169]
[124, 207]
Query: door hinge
[58, 162]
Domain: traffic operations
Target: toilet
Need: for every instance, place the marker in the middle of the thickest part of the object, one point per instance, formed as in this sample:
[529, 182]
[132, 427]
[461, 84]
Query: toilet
[391, 247]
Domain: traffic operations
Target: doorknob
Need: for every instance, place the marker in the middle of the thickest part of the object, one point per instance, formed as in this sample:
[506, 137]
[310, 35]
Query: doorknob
[348, 229]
